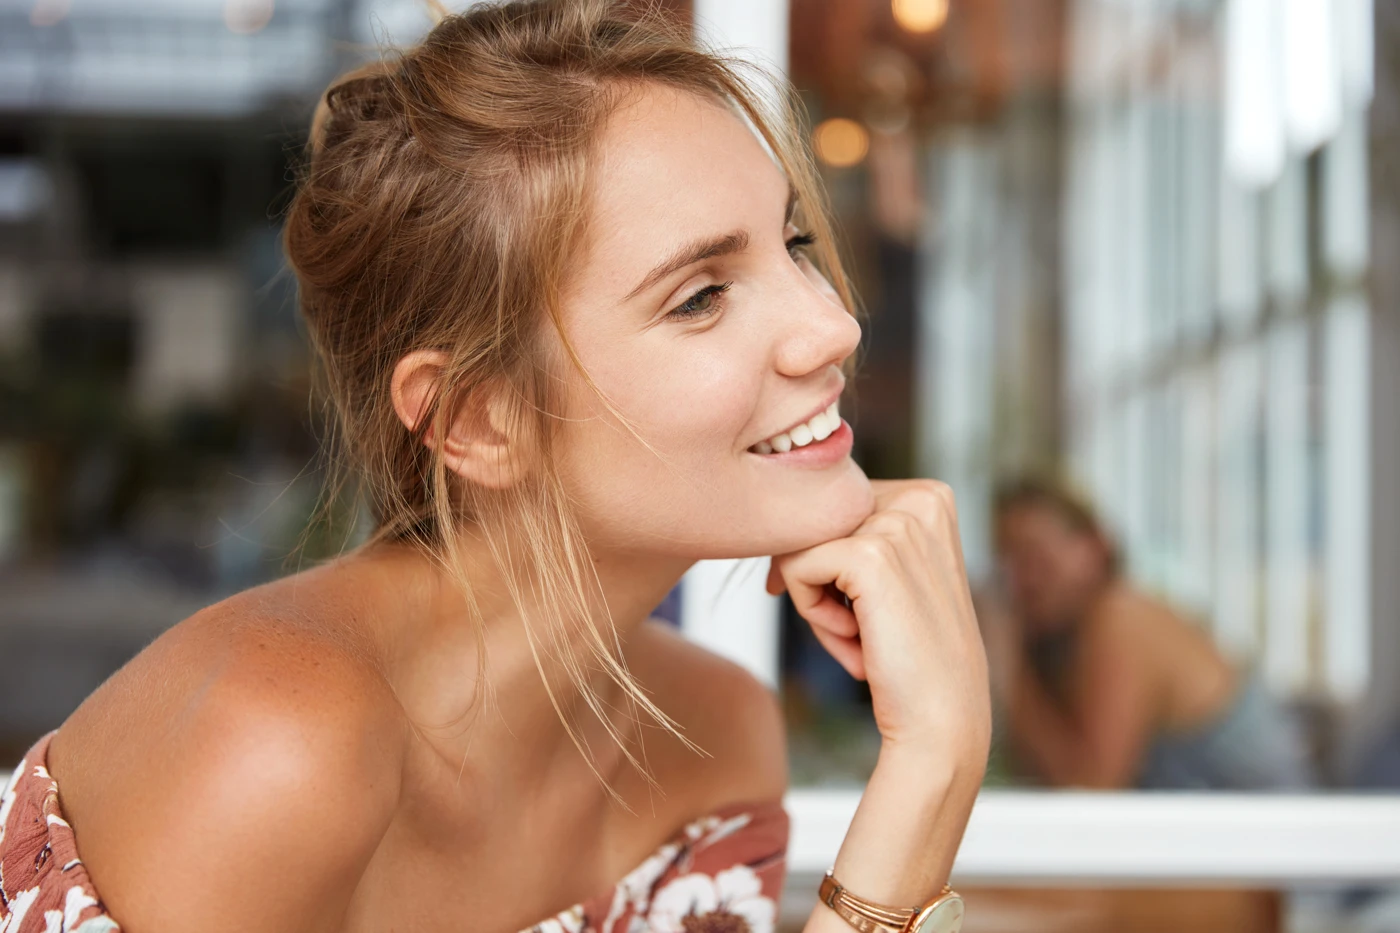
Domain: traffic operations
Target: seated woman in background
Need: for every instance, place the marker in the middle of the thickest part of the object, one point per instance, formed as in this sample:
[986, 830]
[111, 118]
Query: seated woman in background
[584, 325]
[1104, 686]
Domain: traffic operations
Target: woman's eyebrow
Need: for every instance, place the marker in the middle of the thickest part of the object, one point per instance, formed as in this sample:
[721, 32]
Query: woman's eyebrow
[693, 252]
[706, 248]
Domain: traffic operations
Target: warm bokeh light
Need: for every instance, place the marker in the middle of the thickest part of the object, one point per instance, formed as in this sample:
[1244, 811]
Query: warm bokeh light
[49, 12]
[247, 16]
[920, 15]
[841, 143]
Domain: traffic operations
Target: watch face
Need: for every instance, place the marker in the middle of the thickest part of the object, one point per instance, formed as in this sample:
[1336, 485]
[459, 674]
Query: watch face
[945, 917]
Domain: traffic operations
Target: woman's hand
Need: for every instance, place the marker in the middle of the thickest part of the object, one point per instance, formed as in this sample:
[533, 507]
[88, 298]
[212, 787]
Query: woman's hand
[891, 604]
[910, 629]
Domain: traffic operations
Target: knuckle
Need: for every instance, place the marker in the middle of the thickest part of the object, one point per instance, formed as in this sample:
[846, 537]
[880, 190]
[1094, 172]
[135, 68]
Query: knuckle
[941, 490]
[892, 521]
[928, 495]
[946, 498]
[876, 548]
[907, 523]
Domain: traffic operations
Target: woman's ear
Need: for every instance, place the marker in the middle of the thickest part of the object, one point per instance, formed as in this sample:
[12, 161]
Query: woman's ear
[485, 443]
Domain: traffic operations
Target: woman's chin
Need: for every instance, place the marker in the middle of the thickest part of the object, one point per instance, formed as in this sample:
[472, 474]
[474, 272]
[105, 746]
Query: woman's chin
[803, 526]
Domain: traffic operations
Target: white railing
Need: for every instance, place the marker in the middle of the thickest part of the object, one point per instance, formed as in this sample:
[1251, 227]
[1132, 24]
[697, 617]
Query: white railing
[1169, 839]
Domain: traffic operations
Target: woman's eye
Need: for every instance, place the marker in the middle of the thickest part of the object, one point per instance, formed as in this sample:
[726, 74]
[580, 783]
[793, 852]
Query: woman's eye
[701, 303]
[796, 245]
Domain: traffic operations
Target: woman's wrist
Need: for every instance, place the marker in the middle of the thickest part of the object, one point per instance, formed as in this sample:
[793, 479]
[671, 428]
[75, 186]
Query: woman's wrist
[901, 844]
[959, 750]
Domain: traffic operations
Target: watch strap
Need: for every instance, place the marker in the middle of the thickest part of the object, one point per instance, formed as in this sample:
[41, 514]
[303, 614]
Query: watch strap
[866, 916]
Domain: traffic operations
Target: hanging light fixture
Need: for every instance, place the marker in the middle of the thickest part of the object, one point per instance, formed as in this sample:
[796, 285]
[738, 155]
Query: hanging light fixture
[920, 15]
[840, 143]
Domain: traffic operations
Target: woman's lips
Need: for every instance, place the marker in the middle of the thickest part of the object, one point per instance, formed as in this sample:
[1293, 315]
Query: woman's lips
[835, 447]
[817, 427]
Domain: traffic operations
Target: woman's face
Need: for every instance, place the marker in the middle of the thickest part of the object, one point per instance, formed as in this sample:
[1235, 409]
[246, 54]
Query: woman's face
[696, 312]
[1051, 569]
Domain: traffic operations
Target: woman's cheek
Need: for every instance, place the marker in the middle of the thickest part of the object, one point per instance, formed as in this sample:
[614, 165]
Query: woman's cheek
[706, 402]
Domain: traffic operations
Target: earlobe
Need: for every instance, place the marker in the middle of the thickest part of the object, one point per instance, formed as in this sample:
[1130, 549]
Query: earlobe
[484, 443]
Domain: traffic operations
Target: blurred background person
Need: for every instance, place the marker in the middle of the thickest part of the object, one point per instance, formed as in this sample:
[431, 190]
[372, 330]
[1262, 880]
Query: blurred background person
[1104, 685]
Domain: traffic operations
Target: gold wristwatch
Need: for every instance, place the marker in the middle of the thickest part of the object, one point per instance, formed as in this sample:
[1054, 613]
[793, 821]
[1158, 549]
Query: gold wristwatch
[943, 914]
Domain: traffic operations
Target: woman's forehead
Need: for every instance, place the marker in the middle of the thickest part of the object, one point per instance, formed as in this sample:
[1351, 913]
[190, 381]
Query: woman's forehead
[672, 165]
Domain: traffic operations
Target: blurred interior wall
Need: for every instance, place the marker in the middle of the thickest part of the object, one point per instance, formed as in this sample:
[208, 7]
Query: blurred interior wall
[1380, 709]
[987, 396]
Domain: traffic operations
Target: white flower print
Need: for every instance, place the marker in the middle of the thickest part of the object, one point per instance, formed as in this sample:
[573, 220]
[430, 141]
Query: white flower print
[19, 906]
[102, 924]
[64, 921]
[642, 879]
[74, 903]
[634, 891]
[697, 828]
[570, 921]
[726, 828]
[730, 902]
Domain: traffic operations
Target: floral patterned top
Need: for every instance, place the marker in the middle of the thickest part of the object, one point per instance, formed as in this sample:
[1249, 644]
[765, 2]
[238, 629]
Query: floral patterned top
[43, 885]
[722, 873]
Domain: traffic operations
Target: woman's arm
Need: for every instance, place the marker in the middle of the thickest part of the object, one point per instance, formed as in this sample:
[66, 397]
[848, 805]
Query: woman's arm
[910, 630]
[899, 849]
[1100, 743]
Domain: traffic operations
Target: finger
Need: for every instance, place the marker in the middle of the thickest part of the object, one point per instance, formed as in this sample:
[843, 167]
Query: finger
[929, 500]
[886, 489]
[816, 604]
[833, 612]
[774, 584]
[853, 564]
[846, 651]
[898, 525]
[811, 606]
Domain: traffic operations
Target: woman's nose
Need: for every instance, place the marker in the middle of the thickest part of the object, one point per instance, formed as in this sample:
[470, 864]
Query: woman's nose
[817, 330]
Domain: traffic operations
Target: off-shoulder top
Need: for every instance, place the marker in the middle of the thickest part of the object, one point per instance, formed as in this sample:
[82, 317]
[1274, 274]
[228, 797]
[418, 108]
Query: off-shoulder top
[722, 873]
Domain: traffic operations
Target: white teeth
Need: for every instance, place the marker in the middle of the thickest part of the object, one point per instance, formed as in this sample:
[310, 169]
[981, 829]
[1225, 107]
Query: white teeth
[821, 426]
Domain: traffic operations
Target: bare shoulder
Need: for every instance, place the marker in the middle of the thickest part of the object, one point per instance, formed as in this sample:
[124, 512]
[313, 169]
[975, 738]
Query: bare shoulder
[1140, 635]
[722, 708]
[1133, 614]
[239, 752]
[1125, 615]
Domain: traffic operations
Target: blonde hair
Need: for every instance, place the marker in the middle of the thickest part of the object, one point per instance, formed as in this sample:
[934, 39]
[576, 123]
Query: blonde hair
[1062, 498]
[443, 199]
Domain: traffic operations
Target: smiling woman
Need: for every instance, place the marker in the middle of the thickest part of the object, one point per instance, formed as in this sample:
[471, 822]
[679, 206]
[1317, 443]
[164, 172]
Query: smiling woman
[582, 325]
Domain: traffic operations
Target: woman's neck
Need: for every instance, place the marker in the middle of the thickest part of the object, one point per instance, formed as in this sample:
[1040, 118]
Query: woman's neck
[434, 653]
